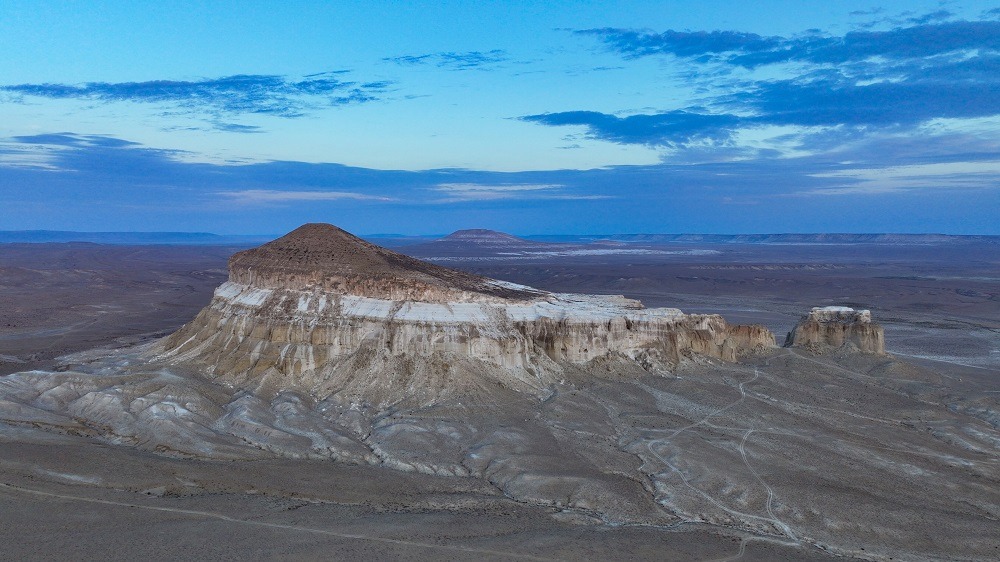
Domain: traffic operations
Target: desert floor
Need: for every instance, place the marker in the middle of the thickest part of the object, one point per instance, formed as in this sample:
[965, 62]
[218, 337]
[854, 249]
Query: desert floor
[930, 423]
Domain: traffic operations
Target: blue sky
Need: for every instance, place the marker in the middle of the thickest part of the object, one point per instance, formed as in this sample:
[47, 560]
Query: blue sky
[567, 117]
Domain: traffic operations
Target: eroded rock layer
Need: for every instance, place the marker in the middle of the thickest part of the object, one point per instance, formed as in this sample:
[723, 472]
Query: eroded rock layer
[387, 351]
[836, 327]
[322, 311]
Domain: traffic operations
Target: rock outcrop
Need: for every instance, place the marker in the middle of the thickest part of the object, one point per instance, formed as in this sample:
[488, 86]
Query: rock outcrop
[834, 327]
[324, 312]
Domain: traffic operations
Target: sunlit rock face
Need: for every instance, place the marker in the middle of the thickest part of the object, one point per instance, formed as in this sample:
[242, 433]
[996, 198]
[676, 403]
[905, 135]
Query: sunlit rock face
[322, 311]
[836, 327]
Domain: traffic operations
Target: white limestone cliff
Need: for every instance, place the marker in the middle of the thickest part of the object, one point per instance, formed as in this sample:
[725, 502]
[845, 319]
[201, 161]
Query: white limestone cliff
[368, 325]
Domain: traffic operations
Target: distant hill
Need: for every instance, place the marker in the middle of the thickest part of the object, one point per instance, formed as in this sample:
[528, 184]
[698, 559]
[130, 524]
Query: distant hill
[491, 242]
[479, 242]
[127, 238]
[833, 239]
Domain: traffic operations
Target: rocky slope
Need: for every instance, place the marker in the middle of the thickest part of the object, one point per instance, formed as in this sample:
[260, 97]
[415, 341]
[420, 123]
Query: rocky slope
[835, 327]
[324, 258]
[322, 311]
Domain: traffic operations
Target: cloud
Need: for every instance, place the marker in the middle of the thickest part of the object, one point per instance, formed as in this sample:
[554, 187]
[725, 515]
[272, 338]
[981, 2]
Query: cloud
[457, 192]
[263, 196]
[939, 15]
[824, 103]
[450, 60]
[752, 50]
[834, 103]
[894, 179]
[91, 182]
[671, 128]
[51, 151]
[236, 127]
[858, 83]
[632, 43]
[73, 140]
[242, 94]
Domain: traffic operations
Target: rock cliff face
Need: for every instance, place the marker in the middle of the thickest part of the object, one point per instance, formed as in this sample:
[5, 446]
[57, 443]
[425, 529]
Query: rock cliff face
[322, 311]
[836, 327]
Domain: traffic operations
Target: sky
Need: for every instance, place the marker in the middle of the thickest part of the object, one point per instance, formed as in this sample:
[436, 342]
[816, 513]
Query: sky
[704, 116]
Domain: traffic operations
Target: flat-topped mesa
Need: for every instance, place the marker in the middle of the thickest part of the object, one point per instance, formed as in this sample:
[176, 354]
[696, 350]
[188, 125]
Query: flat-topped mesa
[322, 257]
[479, 243]
[835, 327]
[840, 314]
[325, 312]
[484, 236]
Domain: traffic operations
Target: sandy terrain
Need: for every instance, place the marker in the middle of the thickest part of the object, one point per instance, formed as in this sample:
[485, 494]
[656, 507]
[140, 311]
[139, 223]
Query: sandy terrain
[63, 497]
[786, 456]
[62, 298]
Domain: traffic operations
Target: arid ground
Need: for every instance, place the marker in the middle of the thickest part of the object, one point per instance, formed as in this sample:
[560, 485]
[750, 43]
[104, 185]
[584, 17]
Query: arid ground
[788, 456]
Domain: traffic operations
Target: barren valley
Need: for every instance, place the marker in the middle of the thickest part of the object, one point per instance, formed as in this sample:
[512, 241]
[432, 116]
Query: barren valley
[114, 445]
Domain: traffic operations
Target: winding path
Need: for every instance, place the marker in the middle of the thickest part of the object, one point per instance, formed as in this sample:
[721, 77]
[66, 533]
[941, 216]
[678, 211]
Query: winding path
[772, 519]
[227, 518]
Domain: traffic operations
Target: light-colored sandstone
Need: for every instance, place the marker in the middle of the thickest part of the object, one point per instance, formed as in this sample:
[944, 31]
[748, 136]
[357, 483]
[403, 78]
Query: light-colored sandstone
[326, 313]
[837, 327]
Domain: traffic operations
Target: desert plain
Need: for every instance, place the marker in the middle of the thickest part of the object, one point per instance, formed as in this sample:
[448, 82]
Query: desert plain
[785, 455]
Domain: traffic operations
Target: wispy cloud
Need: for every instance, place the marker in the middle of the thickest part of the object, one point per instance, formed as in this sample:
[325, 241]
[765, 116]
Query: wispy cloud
[100, 181]
[236, 127]
[894, 179]
[868, 12]
[242, 94]
[963, 90]
[266, 196]
[450, 60]
[43, 152]
[668, 129]
[752, 50]
[73, 140]
[457, 192]
[27, 157]
[861, 82]
[938, 15]
[632, 43]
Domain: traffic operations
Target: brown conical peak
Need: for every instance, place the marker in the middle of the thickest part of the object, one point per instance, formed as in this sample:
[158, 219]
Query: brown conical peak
[318, 255]
[317, 246]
